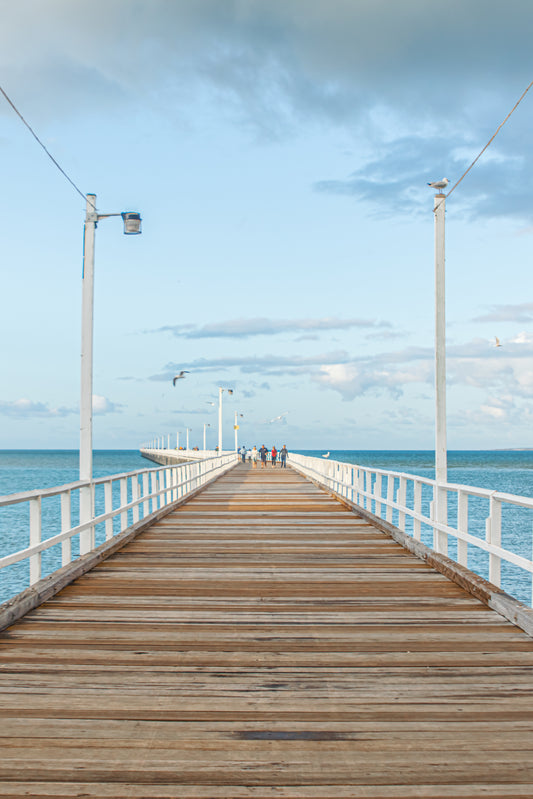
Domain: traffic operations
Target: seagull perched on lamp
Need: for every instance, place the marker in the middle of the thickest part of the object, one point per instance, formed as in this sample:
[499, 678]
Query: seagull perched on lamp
[440, 185]
[180, 376]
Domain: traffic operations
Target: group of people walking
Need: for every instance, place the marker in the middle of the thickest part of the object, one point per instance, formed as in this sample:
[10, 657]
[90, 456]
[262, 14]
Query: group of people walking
[262, 454]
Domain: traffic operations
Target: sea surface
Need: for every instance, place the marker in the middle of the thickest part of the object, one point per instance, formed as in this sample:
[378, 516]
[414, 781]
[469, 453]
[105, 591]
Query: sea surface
[509, 471]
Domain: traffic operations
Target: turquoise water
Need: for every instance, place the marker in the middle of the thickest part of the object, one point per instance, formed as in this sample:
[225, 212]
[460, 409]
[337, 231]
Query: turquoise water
[27, 470]
[507, 471]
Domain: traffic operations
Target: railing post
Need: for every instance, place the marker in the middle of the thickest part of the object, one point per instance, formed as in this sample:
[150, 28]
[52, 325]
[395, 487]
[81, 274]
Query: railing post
[153, 481]
[417, 506]
[462, 526]
[35, 538]
[368, 483]
[402, 493]
[439, 513]
[174, 483]
[134, 496]
[66, 545]
[123, 502]
[377, 495]
[390, 496]
[146, 491]
[86, 505]
[108, 507]
[494, 536]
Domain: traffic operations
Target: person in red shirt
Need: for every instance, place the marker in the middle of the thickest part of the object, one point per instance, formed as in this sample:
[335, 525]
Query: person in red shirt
[274, 455]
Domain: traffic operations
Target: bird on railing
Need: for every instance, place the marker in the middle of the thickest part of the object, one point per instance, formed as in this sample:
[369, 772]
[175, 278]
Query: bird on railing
[180, 376]
[326, 455]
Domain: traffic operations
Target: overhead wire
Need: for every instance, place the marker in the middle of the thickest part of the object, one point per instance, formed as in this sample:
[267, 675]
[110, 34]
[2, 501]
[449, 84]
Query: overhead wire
[48, 153]
[500, 126]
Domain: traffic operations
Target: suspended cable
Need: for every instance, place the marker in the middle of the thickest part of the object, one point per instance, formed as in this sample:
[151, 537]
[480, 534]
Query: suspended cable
[48, 153]
[490, 140]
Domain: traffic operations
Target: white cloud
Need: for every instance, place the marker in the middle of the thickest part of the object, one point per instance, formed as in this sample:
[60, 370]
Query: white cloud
[353, 380]
[522, 312]
[102, 406]
[28, 408]
[262, 326]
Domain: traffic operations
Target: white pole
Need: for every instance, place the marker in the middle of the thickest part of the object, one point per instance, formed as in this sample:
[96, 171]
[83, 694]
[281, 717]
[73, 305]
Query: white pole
[220, 390]
[236, 431]
[86, 399]
[441, 450]
[205, 435]
[187, 429]
[178, 440]
[168, 441]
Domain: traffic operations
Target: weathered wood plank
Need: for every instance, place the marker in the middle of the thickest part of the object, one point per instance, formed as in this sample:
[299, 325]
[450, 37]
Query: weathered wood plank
[263, 640]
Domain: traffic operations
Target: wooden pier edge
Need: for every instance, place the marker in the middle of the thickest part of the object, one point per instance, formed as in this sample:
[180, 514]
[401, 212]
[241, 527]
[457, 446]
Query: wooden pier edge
[495, 598]
[33, 596]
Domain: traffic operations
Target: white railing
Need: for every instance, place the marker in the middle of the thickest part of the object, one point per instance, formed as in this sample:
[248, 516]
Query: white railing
[182, 454]
[118, 501]
[498, 526]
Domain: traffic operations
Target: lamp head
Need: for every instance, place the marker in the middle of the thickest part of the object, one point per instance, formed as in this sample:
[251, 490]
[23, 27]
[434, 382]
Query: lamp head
[132, 223]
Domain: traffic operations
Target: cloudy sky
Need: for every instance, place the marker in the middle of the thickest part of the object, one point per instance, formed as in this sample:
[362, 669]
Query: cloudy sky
[279, 153]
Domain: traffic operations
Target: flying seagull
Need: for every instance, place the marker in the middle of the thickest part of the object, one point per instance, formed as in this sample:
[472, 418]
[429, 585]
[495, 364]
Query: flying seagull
[439, 184]
[278, 418]
[497, 341]
[326, 455]
[178, 377]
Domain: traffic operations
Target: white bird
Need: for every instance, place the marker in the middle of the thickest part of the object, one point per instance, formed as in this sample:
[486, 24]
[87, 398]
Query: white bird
[439, 184]
[278, 418]
[497, 341]
[209, 403]
[326, 455]
[178, 377]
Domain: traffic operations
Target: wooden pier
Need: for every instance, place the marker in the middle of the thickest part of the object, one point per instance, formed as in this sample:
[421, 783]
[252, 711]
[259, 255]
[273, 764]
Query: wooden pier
[261, 641]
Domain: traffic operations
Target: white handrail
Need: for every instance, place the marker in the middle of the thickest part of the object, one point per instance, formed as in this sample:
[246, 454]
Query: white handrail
[142, 492]
[385, 493]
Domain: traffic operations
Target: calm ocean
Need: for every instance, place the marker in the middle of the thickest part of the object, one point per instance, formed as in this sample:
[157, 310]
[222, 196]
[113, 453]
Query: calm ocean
[502, 470]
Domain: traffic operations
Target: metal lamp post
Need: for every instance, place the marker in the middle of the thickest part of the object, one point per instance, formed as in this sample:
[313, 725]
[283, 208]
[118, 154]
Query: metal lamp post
[206, 425]
[187, 431]
[236, 429]
[220, 392]
[441, 450]
[132, 226]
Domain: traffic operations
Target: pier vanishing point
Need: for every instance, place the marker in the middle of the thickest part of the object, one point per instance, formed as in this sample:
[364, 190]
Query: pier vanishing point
[263, 637]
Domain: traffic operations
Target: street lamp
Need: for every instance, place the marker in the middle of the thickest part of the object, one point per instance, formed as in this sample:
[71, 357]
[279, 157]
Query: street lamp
[205, 426]
[441, 451]
[236, 429]
[220, 392]
[187, 431]
[132, 226]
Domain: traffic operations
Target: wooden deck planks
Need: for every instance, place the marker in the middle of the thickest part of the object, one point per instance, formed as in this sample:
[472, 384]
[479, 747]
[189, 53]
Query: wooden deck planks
[261, 641]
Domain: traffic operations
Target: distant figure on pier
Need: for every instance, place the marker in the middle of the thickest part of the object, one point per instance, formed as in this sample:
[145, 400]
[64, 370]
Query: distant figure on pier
[274, 455]
[263, 452]
[254, 456]
[283, 456]
[243, 453]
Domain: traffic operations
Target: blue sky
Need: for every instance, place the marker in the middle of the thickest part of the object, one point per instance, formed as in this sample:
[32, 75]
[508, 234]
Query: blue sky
[279, 154]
